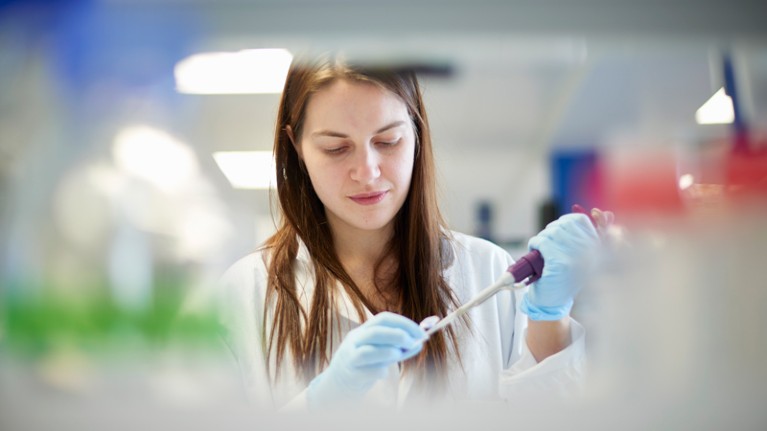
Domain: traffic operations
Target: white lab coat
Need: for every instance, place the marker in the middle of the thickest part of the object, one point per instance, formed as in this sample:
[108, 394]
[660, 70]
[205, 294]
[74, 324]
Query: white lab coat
[496, 363]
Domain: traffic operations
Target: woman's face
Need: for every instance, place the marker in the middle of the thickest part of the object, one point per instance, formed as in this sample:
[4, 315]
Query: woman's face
[358, 145]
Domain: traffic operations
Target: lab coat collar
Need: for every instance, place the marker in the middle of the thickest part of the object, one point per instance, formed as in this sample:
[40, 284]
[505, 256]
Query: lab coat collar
[303, 253]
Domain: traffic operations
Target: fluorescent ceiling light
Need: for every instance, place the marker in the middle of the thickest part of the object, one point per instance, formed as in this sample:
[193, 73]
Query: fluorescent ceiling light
[685, 181]
[248, 169]
[244, 72]
[717, 110]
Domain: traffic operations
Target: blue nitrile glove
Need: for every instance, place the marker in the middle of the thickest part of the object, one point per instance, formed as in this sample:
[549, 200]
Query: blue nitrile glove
[568, 246]
[364, 357]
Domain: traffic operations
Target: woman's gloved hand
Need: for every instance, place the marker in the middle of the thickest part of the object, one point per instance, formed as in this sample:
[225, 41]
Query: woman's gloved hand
[568, 246]
[364, 357]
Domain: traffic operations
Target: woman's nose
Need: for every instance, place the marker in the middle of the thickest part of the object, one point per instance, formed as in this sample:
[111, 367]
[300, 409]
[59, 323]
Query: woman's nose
[366, 166]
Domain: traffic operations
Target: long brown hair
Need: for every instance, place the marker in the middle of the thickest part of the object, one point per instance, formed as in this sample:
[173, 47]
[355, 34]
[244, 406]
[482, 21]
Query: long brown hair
[418, 245]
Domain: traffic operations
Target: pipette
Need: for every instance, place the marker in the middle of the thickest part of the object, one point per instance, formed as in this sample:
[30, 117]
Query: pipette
[524, 271]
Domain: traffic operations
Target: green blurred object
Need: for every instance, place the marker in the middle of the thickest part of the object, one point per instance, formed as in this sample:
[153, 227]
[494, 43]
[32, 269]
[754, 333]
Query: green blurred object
[34, 326]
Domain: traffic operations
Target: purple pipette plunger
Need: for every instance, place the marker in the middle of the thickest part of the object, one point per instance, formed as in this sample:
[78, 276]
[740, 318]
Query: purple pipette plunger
[530, 266]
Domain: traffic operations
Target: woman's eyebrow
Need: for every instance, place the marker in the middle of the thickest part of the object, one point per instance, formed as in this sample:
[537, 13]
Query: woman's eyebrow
[333, 134]
[390, 126]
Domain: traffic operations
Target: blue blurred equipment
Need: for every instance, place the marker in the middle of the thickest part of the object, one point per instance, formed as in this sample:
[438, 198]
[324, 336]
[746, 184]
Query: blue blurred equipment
[364, 357]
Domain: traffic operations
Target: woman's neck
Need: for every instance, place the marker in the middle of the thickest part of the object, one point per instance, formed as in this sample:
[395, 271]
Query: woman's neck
[360, 252]
[361, 247]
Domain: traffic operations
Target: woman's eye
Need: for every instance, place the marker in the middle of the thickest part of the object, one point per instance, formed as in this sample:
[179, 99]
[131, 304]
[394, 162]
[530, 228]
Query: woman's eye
[388, 143]
[337, 150]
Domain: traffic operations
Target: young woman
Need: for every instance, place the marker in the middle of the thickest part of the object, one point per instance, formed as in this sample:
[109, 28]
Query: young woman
[325, 312]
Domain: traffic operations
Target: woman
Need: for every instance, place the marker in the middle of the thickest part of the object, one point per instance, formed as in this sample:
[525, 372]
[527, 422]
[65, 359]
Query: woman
[325, 312]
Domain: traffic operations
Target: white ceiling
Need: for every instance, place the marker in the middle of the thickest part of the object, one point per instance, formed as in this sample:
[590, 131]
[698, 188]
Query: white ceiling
[526, 74]
[563, 92]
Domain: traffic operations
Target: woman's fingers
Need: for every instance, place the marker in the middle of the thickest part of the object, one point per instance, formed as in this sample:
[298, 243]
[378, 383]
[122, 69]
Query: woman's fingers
[385, 336]
[382, 356]
[392, 320]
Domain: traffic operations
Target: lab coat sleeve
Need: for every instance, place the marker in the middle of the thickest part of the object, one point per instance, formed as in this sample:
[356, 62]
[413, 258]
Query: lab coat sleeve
[240, 303]
[560, 373]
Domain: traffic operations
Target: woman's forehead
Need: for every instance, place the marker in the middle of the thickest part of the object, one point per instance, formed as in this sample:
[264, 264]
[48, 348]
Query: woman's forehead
[352, 104]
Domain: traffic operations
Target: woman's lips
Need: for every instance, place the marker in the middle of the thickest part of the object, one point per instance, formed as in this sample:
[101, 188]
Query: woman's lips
[368, 198]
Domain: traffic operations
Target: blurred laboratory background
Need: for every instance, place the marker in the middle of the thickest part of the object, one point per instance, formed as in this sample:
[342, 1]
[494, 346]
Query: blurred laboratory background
[135, 166]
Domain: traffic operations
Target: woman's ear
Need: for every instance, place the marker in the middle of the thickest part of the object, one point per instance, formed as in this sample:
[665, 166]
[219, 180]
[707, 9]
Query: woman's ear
[289, 132]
